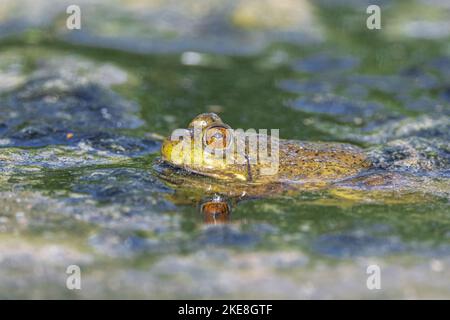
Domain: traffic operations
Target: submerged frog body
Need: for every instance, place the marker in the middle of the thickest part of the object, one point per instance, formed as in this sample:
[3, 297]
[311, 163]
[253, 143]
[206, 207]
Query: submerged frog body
[216, 154]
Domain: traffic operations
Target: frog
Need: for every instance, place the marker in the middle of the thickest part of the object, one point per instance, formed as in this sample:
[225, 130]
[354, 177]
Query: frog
[210, 160]
[216, 167]
[298, 162]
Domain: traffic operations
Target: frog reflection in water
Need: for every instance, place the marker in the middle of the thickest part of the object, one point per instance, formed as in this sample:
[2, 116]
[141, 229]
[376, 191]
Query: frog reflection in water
[219, 184]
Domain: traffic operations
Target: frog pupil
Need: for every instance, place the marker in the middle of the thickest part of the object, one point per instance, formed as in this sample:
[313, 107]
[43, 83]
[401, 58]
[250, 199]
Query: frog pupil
[217, 138]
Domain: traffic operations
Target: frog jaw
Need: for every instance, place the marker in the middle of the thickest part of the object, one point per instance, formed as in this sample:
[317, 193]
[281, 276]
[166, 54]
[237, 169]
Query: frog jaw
[205, 165]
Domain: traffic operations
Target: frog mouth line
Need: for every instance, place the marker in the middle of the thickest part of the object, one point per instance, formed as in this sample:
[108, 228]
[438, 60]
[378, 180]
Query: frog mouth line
[161, 166]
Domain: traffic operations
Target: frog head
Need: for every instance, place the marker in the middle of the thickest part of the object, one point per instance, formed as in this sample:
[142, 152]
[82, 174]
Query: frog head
[206, 147]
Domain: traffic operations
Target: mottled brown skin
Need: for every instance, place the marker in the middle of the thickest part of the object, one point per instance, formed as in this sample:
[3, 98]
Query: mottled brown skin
[302, 165]
[319, 162]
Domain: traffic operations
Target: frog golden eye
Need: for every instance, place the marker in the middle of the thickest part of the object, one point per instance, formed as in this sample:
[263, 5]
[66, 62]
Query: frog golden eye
[217, 137]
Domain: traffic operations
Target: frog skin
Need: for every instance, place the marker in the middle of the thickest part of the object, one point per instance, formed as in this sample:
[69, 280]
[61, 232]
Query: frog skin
[343, 170]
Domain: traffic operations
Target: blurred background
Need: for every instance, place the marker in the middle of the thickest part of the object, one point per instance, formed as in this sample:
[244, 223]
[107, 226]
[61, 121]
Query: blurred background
[82, 113]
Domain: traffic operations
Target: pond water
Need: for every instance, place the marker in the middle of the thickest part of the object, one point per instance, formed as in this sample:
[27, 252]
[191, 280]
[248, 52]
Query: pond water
[82, 114]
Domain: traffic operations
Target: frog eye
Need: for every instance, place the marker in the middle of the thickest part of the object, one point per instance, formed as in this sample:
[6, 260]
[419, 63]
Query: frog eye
[217, 137]
[204, 120]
